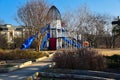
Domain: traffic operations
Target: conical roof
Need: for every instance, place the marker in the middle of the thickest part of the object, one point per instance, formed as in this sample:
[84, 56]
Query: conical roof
[54, 14]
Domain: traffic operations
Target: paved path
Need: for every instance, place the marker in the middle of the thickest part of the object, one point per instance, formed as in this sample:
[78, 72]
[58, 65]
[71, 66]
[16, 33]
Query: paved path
[21, 74]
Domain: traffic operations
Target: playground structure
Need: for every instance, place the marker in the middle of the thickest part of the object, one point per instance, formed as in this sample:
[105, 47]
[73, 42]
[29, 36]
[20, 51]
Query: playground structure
[56, 36]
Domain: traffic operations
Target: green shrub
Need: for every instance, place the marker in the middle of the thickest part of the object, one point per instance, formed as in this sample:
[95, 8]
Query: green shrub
[21, 54]
[80, 59]
[113, 61]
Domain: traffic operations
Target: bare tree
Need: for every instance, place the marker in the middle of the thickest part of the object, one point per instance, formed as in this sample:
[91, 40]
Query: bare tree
[89, 24]
[116, 34]
[33, 16]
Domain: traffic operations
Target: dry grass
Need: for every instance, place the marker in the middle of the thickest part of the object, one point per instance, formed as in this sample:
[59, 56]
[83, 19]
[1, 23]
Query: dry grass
[21, 54]
[108, 52]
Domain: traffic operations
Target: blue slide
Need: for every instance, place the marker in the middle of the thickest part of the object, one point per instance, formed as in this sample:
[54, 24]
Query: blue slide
[44, 41]
[72, 42]
[29, 41]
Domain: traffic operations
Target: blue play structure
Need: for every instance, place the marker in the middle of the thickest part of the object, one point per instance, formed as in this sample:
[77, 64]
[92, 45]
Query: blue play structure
[44, 41]
[55, 35]
[29, 41]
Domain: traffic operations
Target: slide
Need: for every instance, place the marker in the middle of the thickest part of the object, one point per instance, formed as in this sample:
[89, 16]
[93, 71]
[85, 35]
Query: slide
[29, 41]
[44, 41]
[72, 42]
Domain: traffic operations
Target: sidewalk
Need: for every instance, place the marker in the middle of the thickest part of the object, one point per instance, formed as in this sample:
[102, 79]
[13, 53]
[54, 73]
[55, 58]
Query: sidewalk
[23, 73]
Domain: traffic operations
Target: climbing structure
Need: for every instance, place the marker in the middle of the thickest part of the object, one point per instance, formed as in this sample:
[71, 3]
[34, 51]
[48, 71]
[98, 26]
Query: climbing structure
[55, 41]
[55, 37]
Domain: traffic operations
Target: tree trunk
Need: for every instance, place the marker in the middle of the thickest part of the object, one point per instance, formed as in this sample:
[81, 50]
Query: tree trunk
[39, 41]
[113, 41]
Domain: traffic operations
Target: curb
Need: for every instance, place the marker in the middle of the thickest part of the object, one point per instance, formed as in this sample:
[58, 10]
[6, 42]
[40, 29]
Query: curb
[36, 74]
[24, 64]
[13, 68]
[39, 59]
[98, 75]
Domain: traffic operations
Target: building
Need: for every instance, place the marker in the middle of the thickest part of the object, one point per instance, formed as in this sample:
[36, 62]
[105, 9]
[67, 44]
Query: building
[11, 32]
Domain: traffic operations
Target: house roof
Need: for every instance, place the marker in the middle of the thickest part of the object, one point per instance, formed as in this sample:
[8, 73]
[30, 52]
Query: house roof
[7, 27]
[19, 28]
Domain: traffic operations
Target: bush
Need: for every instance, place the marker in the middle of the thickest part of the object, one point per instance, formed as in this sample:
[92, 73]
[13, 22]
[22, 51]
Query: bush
[113, 61]
[3, 42]
[18, 41]
[80, 59]
[20, 54]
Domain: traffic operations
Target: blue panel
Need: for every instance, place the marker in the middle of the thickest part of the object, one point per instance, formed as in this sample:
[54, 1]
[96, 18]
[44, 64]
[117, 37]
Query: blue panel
[72, 42]
[48, 35]
[45, 29]
[44, 41]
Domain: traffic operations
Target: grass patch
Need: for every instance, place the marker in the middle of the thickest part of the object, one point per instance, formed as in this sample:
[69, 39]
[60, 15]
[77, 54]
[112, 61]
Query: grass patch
[112, 57]
[6, 66]
[113, 61]
[108, 52]
[21, 54]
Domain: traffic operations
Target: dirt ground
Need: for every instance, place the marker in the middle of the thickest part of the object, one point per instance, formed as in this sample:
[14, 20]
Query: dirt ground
[108, 52]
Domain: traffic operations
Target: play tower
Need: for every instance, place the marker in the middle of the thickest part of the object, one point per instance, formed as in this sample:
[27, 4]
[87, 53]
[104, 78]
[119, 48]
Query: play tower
[54, 18]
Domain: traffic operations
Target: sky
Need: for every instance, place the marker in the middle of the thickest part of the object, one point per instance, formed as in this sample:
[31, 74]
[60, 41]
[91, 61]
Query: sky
[8, 8]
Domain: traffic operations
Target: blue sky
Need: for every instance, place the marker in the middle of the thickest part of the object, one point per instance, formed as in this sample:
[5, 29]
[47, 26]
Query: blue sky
[8, 8]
